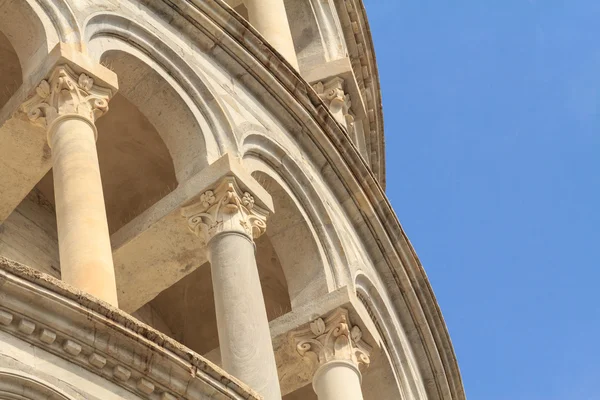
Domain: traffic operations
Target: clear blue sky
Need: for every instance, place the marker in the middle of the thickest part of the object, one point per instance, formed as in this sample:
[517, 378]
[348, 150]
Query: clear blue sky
[492, 128]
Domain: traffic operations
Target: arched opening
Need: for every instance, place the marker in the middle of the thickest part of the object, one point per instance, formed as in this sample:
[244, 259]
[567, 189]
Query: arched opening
[379, 380]
[289, 265]
[293, 242]
[135, 164]
[26, 32]
[186, 310]
[395, 361]
[19, 385]
[23, 42]
[172, 95]
[28, 233]
[11, 76]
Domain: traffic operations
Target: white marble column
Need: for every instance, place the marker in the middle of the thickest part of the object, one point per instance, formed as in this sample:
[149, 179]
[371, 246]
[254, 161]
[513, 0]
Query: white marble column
[338, 350]
[228, 220]
[270, 19]
[68, 104]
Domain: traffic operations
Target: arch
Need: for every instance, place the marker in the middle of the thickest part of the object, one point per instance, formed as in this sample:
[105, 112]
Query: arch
[293, 242]
[379, 379]
[395, 344]
[16, 385]
[263, 152]
[64, 22]
[135, 164]
[309, 249]
[190, 119]
[30, 31]
[11, 75]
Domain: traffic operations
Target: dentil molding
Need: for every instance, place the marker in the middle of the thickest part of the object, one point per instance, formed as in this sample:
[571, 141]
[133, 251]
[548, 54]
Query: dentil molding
[54, 317]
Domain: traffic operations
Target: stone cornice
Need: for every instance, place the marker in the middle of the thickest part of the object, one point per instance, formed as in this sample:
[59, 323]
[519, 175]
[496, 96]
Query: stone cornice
[49, 314]
[362, 53]
[226, 208]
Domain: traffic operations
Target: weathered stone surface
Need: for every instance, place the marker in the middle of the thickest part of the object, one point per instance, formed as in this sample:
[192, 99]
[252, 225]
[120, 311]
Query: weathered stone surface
[91, 337]
[197, 83]
[156, 249]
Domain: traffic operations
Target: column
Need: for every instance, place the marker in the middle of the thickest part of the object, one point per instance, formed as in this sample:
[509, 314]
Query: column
[270, 19]
[337, 350]
[68, 104]
[227, 220]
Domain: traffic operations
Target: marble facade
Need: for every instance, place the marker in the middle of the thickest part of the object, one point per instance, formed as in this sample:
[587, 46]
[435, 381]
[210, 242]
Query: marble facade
[192, 206]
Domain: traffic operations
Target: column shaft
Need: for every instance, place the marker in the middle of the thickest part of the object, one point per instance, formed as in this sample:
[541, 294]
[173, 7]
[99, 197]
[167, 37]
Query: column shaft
[270, 19]
[337, 380]
[83, 237]
[244, 335]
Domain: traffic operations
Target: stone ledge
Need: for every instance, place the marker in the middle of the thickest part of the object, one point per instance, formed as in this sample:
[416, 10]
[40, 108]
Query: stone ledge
[106, 341]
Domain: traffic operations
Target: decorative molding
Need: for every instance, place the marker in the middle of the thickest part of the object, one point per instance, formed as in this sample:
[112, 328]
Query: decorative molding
[333, 339]
[333, 95]
[49, 315]
[57, 342]
[359, 43]
[18, 385]
[225, 209]
[66, 93]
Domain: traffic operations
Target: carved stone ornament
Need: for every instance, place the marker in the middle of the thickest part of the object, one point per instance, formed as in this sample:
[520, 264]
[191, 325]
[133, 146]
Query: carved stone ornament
[65, 93]
[333, 339]
[333, 95]
[225, 209]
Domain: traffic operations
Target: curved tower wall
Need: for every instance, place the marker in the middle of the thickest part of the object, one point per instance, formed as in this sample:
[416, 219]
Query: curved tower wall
[240, 168]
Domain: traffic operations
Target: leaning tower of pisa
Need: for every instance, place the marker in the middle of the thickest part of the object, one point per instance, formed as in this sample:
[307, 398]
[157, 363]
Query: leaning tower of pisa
[192, 206]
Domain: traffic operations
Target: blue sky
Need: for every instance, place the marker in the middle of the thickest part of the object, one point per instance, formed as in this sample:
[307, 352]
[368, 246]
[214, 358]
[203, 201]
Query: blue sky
[492, 130]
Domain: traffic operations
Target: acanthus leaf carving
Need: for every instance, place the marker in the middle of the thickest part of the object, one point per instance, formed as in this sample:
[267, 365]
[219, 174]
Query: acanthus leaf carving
[333, 95]
[332, 339]
[225, 209]
[66, 92]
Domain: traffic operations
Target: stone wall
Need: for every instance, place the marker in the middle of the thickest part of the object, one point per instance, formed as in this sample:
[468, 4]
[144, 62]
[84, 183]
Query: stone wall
[29, 235]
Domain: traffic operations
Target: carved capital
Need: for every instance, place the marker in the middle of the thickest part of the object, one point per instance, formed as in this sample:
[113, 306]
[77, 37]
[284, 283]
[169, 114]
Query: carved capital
[225, 209]
[65, 93]
[333, 339]
[333, 95]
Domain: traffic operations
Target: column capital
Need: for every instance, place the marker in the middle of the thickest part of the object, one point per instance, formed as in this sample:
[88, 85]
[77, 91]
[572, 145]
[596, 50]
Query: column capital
[226, 208]
[332, 339]
[332, 92]
[66, 93]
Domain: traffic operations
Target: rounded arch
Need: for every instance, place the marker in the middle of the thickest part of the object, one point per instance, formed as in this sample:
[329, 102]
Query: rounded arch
[293, 242]
[309, 250]
[30, 30]
[26, 37]
[141, 153]
[64, 22]
[182, 108]
[16, 385]
[395, 342]
[11, 75]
